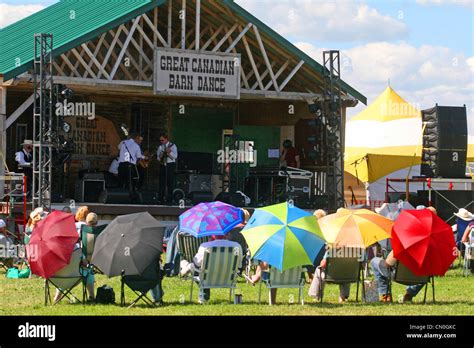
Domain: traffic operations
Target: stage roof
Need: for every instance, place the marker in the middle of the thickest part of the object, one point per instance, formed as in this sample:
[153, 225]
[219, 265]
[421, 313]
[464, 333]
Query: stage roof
[91, 18]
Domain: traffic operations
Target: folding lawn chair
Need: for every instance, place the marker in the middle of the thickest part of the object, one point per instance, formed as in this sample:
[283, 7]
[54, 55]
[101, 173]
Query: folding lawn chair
[341, 270]
[404, 276]
[188, 245]
[218, 270]
[88, 237]
[66, 279]
[290, 278]
[141, 284]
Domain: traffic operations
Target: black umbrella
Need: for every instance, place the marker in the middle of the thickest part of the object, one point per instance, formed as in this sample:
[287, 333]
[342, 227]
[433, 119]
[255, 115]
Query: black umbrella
[128, 245]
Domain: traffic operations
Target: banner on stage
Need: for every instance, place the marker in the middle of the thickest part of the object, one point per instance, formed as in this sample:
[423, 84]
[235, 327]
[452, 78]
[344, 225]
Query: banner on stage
[198, 74]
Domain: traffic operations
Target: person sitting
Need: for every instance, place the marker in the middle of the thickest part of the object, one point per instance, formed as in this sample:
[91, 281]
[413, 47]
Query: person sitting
[67, 209]
[35, 216]
[8, 243]
[80, 217]
[260, 274]
[467, 239]
[319, 214]
[317, 284]
[205, 294]
[381, 269]
[464, 218]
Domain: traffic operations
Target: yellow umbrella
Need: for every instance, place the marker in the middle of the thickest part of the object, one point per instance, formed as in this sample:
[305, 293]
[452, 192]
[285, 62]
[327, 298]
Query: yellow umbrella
[355, 228]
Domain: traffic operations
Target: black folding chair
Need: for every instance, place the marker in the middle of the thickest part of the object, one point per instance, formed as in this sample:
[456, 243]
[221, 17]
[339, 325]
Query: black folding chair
[341, 270]
[141, 284]
[66, 279]
[404, 276]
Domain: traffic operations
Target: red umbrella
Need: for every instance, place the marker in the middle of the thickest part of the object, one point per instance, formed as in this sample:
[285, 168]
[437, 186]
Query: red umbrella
[423, 242]
[51, 244]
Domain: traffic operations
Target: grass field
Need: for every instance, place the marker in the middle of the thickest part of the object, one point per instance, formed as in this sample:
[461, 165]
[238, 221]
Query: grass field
[454, 296]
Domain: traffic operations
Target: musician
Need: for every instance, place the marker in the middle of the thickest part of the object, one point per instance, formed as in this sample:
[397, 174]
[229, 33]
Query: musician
[167, 155]
[130, 154]
[290, 156]
[24, 158]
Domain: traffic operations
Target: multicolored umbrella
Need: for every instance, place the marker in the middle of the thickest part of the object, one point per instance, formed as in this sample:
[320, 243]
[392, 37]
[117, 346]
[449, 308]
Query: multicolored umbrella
[358, 228]
[207, 219]
[51, 244]
[284, 236]
[423, 242]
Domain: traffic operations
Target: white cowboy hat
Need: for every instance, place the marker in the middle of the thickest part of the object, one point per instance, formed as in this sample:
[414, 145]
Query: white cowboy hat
[420, 207]
[27, 142]
[464, 214]
[37, 211]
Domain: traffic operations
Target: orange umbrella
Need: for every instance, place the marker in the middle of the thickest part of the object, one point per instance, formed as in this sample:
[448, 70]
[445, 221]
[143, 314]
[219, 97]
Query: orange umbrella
[355, 228]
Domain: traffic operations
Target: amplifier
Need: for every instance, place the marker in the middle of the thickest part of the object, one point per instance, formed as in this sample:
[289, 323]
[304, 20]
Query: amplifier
[94, 176]
[115, 196]
[88, 190]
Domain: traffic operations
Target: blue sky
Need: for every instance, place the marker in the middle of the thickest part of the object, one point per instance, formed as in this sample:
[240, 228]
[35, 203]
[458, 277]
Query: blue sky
[425, 47]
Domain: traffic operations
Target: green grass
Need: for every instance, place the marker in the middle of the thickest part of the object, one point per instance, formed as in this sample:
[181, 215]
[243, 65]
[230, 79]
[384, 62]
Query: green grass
[453, 297]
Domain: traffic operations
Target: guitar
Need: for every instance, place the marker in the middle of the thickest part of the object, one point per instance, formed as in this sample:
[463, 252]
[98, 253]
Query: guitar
[145, 163]
[164, 155]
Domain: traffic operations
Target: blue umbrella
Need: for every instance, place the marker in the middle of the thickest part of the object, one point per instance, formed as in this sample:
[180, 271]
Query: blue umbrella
[207, 219]
[284, 236]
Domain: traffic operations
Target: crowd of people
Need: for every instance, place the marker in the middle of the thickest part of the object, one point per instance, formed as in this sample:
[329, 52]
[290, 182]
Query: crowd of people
[382, 264]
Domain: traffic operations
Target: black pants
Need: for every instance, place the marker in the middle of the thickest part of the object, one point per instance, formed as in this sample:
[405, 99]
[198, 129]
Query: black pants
[167, 182]
[128, 177]
[28, 172]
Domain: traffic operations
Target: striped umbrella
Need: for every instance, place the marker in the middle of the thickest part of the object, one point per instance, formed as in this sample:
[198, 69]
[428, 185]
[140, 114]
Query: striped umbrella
[355, 228]
[284, 236]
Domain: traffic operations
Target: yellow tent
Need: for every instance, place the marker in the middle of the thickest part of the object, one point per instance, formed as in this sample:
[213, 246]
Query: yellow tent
[470, 153]
[384, 138]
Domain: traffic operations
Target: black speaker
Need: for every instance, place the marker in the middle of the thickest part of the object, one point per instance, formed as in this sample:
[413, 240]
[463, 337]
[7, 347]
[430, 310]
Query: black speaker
[115, 196]
[235, 199]
[444, 142]
[441, 200]
[88, 190]
[148, 197]
[201, 197]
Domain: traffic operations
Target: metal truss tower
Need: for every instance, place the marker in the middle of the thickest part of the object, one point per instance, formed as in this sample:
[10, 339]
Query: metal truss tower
[43, 121]
[334, 130]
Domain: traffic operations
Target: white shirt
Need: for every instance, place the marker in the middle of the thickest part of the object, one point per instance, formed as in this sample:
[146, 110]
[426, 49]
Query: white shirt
[130, 152]
[172, 156]
[20, 158]
[216, 243]
[114, 166]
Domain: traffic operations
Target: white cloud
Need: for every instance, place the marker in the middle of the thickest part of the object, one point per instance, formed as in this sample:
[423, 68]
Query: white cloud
[336, 20]
[423, 75]
[12, 13]
[466, 3]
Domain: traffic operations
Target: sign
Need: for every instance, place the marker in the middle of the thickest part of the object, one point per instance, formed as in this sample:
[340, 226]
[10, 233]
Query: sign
[97, 137]
[198, 74]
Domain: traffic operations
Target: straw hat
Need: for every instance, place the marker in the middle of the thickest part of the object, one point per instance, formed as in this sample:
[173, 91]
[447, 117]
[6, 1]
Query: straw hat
[37, 211]
[464, 214]
[27, 142]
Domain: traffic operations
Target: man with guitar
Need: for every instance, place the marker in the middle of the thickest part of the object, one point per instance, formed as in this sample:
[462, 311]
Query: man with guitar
[130, 154]
[167, 155]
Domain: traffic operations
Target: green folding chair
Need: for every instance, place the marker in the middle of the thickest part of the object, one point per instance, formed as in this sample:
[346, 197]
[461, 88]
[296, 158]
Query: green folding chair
[141, 284]
[342, 270]
[66, 279]
[404, 276]
[88, 237]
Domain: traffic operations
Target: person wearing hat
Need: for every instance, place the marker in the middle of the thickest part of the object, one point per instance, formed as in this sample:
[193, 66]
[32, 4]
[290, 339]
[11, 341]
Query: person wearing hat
[35, 216]
[24, 158]
[464, 218]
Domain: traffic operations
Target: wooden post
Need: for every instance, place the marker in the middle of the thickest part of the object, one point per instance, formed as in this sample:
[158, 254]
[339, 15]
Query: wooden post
[198, 24]
[183, 25]
[3, 133]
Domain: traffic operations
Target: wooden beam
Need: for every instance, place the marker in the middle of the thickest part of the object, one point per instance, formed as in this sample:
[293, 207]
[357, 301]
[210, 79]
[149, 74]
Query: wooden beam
[96, 52]
[69, 64]
[203, 32]
[155, 26]
[156, 33]
[95, 61]
[252, 62]
[237, 39]
[262, 77]
[212, 38]
[246, 94]
[123, 68]
[198, 24]
[277, 75]
[83, 62]
[170, 22]
[3, 134]
[290, 76]
[183, 25]
[111, 47]
[265, 58]
[124, 48]
[224, 39]
[21, 109]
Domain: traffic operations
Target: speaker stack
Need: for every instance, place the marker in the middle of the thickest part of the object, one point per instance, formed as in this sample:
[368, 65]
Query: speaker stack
[444, 142]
